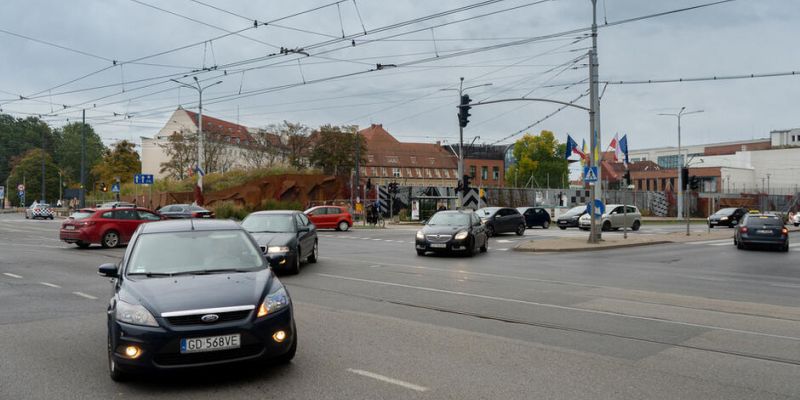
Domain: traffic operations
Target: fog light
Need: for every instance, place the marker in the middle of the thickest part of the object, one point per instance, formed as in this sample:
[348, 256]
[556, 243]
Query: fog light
[279, 336]
[133, 352]
[282, 262]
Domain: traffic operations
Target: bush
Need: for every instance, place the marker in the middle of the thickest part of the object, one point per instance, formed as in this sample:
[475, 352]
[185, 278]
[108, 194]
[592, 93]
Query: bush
[230, 210]
[271, 204]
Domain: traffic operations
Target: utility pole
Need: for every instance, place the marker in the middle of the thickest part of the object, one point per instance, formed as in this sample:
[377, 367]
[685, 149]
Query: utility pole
[358, 172]
[83, 161]
[43, 200]
[681, 160]
[594, 124]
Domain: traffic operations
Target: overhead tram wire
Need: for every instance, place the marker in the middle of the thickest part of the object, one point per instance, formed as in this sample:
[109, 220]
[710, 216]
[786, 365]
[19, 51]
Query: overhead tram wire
[545, 118]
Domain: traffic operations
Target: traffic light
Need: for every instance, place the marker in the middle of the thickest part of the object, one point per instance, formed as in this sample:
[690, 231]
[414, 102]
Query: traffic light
[627, 177]
[393, 189]
[103, 187]
[685, 177]
[465, 184]
[369, 183]
[463, 111]
[694, 183]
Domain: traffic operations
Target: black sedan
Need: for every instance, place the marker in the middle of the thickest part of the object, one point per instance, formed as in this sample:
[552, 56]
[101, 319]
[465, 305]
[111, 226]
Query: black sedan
[177, 211]
[286, 238]
[729, 217]
[571, 218]
[535, 216]
[761, 229]
[502, 220]
[452, 231]
[194, 293]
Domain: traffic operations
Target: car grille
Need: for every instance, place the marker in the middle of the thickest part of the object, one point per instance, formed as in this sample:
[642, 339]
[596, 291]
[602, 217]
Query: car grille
[438, 238]
[195, 319]
[172, 359]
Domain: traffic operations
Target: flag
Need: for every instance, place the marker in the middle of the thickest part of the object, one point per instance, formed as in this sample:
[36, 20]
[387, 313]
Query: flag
[615, 145]
[582, 154]
[584, 159]
[198, 189]
[623, 149]
[597, 145]
[571, 145]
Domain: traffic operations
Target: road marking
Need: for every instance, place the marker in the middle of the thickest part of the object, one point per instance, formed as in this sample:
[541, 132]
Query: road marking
[386, 379]
[84, 295]
[794, 245]
[52, 285]
[377, 239]
[374, 266]
[12, 275]
[500, 249]
[789, 285]
[556, 306]
[726, 243]
[504, 241]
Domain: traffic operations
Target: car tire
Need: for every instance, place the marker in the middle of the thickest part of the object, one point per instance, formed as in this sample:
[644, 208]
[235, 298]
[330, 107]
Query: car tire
[289, 355]
[294, 269]
[51, 218]
[485, 246]
[710, 226]
[26, 216]
[343, 226]
[114, 372]
[563, 228]
[636, 225]
[785, 248]
[110, 239]
[546, 225]
[606, 226]
[82, 245]
[520, 230]
[740, 245]
[420, 252]
[490, 231]
[796, 224]
[314, 256]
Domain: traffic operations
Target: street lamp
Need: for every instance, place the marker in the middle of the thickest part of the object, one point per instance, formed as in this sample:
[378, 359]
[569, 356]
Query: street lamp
[681, 164]
[199, 89]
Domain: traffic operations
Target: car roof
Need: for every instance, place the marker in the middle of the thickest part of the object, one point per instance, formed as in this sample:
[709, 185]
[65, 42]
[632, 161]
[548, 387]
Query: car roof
[186, 225]
[455, 212]
[274, 212]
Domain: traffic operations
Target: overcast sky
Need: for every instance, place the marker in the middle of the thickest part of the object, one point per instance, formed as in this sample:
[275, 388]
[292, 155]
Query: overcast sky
[740, 37]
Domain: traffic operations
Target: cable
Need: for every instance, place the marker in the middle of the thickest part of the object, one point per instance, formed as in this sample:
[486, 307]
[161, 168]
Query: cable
[701, 79]
[81, 52]
[546, 117]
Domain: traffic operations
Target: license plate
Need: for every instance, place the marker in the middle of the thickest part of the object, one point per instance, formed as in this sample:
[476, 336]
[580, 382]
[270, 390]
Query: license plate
[438, 245]
[69, 227]
[764, 231]
[210, 343]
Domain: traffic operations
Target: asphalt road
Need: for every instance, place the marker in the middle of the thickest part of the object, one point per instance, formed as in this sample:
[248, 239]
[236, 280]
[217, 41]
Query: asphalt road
[376, 321]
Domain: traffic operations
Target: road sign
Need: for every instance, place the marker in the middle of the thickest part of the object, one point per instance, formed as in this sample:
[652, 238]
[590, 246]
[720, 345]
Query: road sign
[21, 187]
[589, 174]
[115, 187]
[471, 199]
[143, 179]
[2, 192]
[598, 210]
[21, 194]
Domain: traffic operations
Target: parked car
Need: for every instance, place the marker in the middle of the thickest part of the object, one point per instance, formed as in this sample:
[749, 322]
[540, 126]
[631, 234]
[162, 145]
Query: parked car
[39, 210]
[453, 231]
[795, 219]
[502, 220]
[570, 218]
[176, 211]
[761, 229]
[108, 227]
[729, 217]
[535, 216]
[285, 237]
[615, 218]
[195, 293]
[330, 217]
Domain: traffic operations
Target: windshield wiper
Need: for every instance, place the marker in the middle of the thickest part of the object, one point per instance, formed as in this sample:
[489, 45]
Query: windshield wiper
[151, 274]
[212, 271]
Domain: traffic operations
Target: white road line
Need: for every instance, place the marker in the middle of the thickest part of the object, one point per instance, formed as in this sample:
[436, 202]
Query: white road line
[711, 241]
[12, 275]
[52, 285]
[374, 266]
[84, 295]
[500, 249]
[727, 243]
[388, 380]
[789, 285]
[377, 239]
[504, 241]
[556, 306]
[794, 245]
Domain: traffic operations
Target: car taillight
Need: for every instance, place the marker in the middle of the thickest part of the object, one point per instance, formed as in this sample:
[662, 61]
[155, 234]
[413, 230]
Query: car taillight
[784, 231]
[87, 223]
[743, 229]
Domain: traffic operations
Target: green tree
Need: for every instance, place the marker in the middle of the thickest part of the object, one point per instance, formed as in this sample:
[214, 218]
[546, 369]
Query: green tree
[334, 149]
[17, 136]
[121, 161]
[540, 162]
[68, 151]
[28, 170]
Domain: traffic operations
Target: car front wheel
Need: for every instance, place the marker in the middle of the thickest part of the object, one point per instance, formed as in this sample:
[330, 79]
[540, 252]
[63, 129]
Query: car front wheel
[545, 224]
[520, 230]
[343, 226]
[113, 370]
[314, 256]
[110, 239]
[636, 225]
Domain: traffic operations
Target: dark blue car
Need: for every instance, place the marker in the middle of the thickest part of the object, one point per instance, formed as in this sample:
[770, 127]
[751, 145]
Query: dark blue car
[762, 230]
[192, 293]
[535, 216]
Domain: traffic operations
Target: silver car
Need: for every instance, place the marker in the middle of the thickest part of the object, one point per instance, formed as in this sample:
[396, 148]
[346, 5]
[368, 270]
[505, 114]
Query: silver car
[39, 210]
[615, 218]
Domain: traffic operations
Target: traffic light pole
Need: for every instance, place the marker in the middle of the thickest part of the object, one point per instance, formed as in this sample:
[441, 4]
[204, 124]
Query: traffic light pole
[460, 146]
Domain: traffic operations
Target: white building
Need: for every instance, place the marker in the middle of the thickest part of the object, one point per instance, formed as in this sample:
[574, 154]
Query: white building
[786, 137]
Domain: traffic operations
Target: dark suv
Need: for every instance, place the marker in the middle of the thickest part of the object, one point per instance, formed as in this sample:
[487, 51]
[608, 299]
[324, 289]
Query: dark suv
[501, 220]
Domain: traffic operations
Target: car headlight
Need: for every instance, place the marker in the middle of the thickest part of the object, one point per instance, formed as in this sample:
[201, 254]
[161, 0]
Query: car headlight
[277, 249]
[723, 218]
[461, 235]
[134, 314]
[420, 235]
[277, 299]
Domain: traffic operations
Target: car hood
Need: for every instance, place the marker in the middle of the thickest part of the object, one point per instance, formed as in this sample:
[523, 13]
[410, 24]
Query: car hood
[569, 217]
[442, 229]
[274, 239]
[191, 292]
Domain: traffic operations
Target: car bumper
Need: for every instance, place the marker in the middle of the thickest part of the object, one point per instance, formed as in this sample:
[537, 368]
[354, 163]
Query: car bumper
[720, 223]
[567, 223]
[766, 240]
[281, 261]
[73, 236]
[449, 246]
[160, 347]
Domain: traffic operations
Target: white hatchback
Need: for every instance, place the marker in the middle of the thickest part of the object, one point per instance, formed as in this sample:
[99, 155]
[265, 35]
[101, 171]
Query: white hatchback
[616, 217]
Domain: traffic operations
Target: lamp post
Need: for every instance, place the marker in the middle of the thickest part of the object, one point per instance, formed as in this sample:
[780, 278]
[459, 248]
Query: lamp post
[681, 163]
[199, 89]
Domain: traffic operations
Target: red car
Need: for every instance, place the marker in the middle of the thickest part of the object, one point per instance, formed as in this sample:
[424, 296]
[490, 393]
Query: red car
[110, 227]
[330, 217]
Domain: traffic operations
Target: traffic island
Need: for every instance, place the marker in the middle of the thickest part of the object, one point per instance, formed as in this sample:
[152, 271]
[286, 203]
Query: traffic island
[616, 241]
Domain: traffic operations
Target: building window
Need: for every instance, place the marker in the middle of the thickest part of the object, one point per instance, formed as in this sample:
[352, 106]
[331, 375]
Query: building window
[419, 172]
[370, 158]
[238, 140]
[472, 170]
[413, 159]
[391, 159]
[409, 173]
[496, 173]
[438, 172]
[484, 173]
[383, 171]
[374, 171]
[428, 170]
[364, 171]
[432, 160]
[446, 173]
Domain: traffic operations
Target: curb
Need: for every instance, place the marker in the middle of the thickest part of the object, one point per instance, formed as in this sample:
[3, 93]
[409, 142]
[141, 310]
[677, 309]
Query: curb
[615, 246]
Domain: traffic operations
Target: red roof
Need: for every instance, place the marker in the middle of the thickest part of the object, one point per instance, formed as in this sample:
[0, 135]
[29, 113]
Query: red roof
[220, 127]
[385, 150]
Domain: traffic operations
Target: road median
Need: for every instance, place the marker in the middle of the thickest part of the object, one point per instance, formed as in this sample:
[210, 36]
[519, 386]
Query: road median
[615, 241]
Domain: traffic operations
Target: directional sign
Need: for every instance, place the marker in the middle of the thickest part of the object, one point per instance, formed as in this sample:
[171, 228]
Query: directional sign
[21, 194]
[143, 179]
[2, 192]
[589, 174]
[115, 187]
[598, 210]
[21, 187]
[471, 199]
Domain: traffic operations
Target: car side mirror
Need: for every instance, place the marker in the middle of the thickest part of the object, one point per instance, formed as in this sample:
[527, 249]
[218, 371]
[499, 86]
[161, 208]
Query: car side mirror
[109, 270]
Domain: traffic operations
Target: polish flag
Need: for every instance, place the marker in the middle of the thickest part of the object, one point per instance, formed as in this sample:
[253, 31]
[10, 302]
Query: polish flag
[615, 145]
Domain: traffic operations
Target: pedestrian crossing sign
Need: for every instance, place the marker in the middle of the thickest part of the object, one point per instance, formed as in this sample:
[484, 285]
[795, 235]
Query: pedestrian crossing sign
[590, 174]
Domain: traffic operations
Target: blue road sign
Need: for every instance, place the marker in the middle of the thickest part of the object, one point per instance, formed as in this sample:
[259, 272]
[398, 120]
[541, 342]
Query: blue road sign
[115, 187]
[21, 194]
[143, 179]
[590, 174]
[598, 210]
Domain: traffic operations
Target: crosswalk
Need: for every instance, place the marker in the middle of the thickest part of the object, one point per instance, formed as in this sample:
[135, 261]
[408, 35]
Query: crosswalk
[795, 247]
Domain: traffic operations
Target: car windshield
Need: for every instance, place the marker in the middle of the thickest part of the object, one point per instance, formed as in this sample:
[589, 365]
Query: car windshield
[485, 212]
[575, 211]
[725, 211]
[194, 252]
[761, 221]
[449, 218]
[269, 223]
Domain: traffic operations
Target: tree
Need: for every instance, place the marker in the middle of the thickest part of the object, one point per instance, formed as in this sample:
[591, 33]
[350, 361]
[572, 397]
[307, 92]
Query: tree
[181, 148]
[261, 151]
[17, 136]
[297, 141]
[540, 161]
[28, 170]
[121, 161]
[68, 150]
[334, 149]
